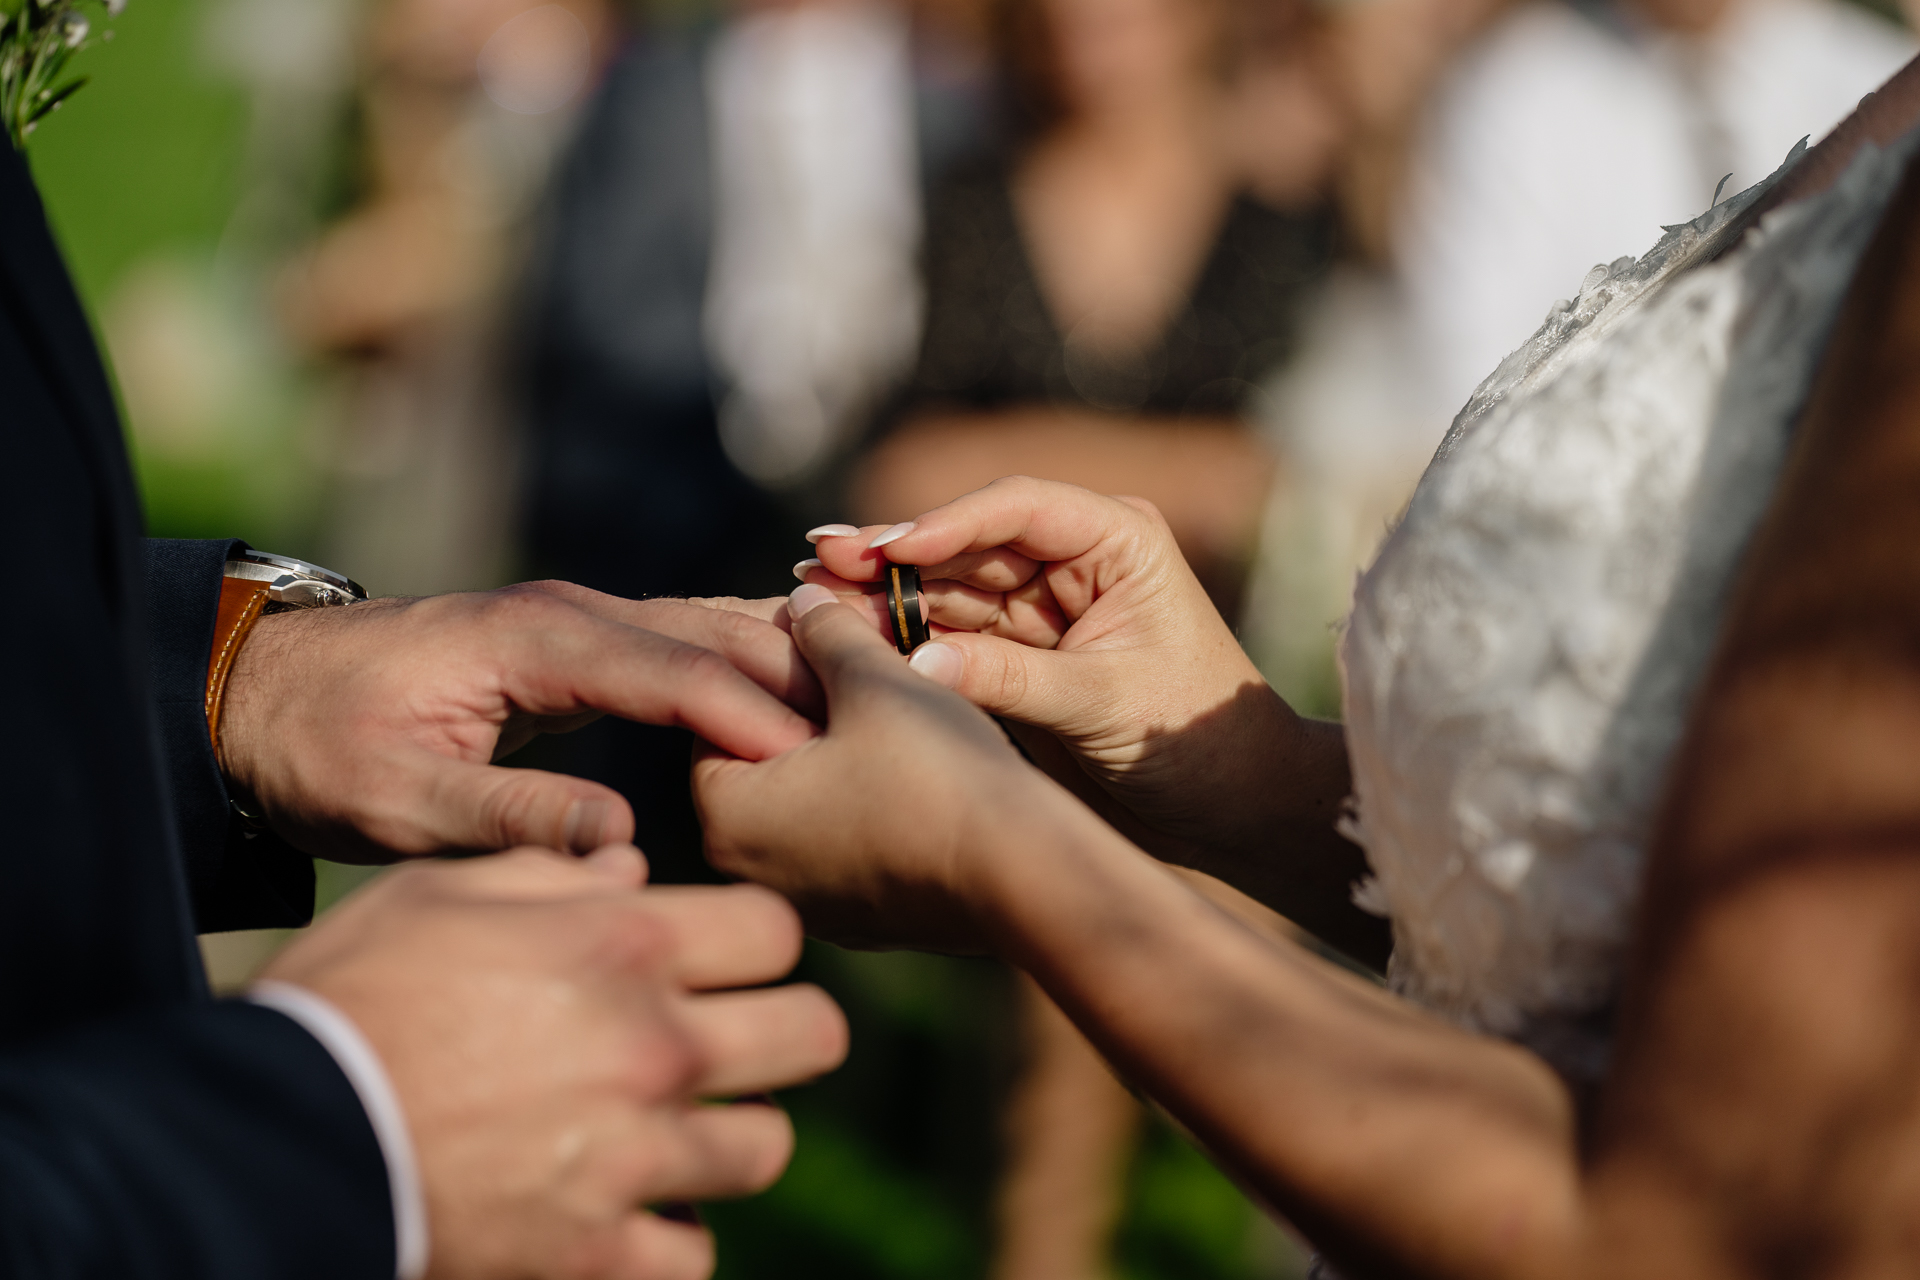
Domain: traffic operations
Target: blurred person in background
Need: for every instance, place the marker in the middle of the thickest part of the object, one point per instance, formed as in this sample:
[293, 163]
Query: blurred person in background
[1104, 296]
[1101, 299]
[724, 287]
[1567, 132]
[463, 106]
[1572, 130]
[1104, 299]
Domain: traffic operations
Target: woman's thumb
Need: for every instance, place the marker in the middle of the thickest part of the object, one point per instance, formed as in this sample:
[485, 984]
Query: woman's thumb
[837, 642]
[998, 676]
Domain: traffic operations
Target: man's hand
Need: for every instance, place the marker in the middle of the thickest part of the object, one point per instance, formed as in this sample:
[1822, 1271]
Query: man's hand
[550, 1028]
[369, 731]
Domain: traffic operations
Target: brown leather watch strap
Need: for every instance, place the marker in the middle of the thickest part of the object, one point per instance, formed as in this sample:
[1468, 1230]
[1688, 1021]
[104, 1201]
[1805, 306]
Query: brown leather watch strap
[240, 604]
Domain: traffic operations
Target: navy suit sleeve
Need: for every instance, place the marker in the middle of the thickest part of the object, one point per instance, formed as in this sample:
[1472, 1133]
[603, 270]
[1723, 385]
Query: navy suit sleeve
[237, 879]
[210, 1141]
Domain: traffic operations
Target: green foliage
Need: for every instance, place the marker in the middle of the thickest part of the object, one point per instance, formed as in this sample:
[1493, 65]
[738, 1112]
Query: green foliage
[842, 1210]
[146, 161]
[896, 1154]
[37, 41]
[141, 175]
[1185, 1220]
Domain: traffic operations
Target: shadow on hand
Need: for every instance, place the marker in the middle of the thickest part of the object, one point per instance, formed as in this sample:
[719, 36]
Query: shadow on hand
[1302, 868]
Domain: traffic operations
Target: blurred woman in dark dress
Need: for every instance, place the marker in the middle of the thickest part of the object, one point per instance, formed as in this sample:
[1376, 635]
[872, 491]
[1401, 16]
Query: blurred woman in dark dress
[1104, 301]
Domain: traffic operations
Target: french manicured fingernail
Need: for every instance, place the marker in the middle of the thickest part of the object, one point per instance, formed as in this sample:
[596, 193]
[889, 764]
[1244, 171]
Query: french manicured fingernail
[831, 531]
[586, 819]
[940, 663]
[900, 530]
[800, 570]
[808, 597]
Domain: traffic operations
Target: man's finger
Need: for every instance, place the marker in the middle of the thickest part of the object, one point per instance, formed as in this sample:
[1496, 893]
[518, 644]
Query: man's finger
[757, 1041]
[772, 610]
[540, 874]
[656, 1248]
[715, 1153]
[728, 936]
[560, 660]
[438, 805]
[737, 630]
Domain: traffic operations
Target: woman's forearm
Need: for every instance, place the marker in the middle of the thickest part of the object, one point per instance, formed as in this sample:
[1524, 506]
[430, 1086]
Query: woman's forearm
[1258, 793]
[1269, 828]
[1390, 1137]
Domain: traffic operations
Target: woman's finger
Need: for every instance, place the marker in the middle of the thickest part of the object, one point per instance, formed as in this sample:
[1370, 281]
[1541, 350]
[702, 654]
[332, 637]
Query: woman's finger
[850, 561]
[1042, 519]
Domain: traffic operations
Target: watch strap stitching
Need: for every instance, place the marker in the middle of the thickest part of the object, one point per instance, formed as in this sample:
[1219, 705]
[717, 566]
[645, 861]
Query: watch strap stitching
[241, 603]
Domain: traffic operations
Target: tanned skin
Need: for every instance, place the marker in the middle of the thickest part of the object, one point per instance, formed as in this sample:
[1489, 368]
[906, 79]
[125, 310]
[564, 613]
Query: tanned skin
[1762, 1118]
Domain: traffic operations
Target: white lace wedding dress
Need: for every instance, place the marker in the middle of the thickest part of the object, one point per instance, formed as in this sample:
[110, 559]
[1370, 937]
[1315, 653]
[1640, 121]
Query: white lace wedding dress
[1521, 655]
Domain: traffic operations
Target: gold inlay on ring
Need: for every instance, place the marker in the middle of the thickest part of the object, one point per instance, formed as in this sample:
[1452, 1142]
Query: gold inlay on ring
[899, 605]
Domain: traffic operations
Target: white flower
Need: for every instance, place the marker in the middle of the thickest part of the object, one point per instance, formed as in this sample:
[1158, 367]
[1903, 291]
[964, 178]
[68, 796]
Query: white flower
[74, 29]
[116, 7]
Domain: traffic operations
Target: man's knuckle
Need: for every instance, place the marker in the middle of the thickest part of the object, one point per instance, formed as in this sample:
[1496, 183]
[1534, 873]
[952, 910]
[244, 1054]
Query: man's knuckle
[524, 808]
[667, 1064]
[737, 627]
[524, 605]
[693, 665]
[632, 939]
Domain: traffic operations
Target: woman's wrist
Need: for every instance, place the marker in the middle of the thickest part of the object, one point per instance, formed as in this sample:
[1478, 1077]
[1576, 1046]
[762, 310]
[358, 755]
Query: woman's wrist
[1032, 864]
[1258, 773]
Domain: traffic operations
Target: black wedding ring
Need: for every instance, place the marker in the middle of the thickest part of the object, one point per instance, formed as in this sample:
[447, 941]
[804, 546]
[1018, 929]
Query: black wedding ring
[905, 613]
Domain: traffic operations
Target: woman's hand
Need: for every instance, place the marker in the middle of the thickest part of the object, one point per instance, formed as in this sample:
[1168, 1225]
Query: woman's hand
[878, 829]
[1075, 614]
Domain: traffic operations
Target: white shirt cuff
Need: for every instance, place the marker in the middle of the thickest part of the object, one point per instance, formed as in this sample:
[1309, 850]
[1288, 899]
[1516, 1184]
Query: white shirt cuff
[334, 1030]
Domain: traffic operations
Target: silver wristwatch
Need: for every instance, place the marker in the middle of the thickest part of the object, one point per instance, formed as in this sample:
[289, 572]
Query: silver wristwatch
[295, 584]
